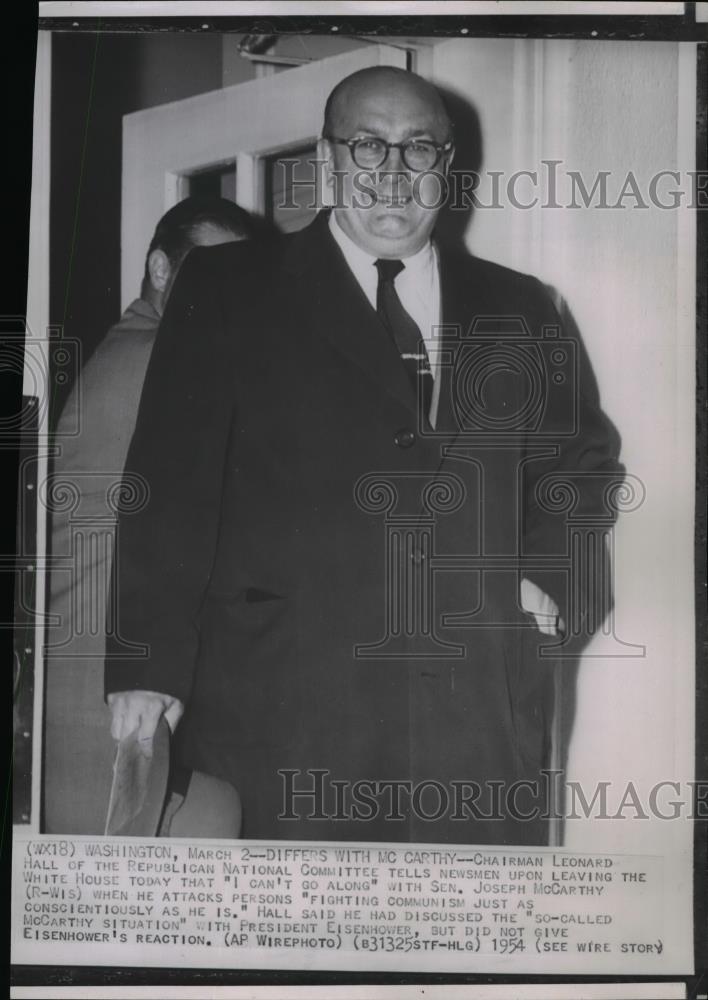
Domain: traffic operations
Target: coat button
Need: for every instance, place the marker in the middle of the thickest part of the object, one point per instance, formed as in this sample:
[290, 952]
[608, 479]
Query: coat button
[404, 438]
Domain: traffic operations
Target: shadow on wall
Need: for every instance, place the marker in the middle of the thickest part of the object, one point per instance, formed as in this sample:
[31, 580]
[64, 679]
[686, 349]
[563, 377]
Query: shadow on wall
[455, 218]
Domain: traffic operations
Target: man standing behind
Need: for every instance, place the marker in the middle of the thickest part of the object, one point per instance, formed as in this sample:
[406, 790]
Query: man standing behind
[344, 684]
[104, 406]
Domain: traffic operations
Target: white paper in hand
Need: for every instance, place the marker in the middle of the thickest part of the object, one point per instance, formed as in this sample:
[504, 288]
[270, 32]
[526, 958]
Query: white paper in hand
[140, 773]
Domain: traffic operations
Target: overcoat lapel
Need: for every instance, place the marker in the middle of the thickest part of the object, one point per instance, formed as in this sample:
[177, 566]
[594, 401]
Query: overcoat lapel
[459, 295]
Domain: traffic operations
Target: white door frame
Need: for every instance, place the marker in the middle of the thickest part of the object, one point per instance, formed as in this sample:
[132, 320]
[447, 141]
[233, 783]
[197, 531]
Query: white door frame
[245, 123]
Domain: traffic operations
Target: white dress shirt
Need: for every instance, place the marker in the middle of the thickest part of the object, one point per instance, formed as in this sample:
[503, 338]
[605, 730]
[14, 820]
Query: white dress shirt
[417, 286]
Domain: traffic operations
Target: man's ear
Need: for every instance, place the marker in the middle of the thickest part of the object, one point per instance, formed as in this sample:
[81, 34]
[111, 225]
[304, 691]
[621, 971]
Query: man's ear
[324, 152]
[160, 270]
[325, 166]
[447, 163]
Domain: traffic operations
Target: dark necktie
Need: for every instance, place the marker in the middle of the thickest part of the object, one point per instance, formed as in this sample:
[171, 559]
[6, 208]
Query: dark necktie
[404, 331]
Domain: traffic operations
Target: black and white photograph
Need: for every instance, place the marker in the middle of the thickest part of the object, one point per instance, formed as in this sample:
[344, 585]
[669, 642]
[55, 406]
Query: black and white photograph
[355, 604]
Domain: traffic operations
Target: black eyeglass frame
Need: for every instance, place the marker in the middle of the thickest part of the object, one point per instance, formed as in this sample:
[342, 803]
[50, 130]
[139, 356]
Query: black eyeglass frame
[441, 149]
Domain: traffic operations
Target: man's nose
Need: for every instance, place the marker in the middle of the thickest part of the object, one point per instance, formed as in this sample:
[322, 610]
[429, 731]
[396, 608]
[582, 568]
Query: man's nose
[393, 171]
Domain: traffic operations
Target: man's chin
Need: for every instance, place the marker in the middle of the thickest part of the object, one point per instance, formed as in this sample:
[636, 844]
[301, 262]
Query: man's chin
[390, 241]
[387, 235]
[393, 228]
[394, 217]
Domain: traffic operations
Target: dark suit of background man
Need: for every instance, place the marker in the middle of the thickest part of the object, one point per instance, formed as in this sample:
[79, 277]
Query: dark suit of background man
[281, 379]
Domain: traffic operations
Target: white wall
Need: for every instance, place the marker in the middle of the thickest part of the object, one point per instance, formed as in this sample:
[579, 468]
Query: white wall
[612, 106]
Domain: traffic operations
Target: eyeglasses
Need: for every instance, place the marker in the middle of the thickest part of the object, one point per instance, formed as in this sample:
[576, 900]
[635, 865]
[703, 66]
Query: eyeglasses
[370, 152]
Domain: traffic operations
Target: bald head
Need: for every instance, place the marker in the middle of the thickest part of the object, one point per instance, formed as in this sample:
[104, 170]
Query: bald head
[408, 95]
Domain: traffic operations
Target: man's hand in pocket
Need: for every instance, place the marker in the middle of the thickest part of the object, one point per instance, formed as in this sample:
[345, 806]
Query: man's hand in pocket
[543, 608]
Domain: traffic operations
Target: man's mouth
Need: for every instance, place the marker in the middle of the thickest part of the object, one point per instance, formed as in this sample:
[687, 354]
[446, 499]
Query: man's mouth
[389, 202]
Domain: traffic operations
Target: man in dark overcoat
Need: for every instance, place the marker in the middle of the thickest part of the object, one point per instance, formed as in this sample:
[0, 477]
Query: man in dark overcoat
[352, 550]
